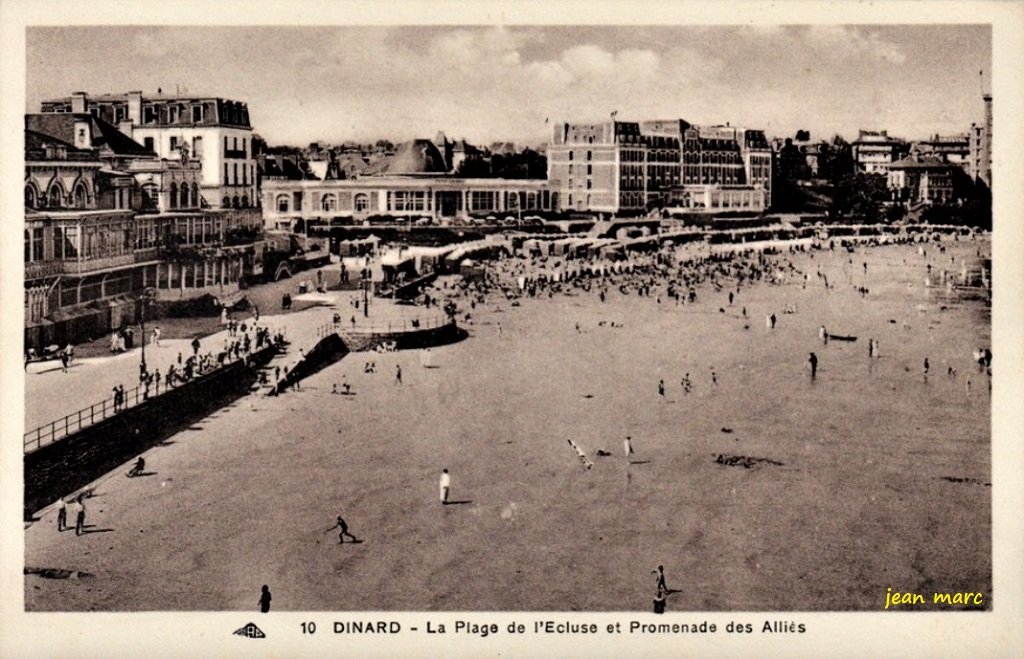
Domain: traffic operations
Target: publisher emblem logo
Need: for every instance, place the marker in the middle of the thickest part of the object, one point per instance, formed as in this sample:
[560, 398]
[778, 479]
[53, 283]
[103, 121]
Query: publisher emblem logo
[250, 631]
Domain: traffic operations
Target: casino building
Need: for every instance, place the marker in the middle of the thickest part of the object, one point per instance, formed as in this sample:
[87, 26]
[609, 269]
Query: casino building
[412, 184]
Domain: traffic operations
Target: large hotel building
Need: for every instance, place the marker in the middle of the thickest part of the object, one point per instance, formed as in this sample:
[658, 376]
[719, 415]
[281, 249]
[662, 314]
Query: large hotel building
[620, 167]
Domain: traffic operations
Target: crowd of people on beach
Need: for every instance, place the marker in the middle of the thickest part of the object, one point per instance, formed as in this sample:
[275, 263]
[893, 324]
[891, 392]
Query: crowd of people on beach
[677, 277]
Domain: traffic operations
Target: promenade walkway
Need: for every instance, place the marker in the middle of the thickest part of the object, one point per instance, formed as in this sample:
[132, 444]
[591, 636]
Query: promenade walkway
[51, 394]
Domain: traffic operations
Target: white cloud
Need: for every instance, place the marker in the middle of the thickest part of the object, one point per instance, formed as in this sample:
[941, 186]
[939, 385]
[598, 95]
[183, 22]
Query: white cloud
[845, 41]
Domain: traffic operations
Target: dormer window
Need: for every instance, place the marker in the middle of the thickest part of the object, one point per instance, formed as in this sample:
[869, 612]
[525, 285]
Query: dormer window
[197, 113]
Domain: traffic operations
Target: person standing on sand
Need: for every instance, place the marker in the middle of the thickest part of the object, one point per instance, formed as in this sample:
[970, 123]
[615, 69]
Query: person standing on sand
[813, 361]
[445, 486]
[79, 509]
[627, 448]
[265, 600]
[661, 388]
[398, 374]
[62, 514]
[927, 367]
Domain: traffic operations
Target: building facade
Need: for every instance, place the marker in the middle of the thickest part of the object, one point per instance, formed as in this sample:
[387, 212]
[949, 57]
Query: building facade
[618, 167]
[953, 149]
[980, 151]
[874, 151]
[439, 198]
[96, 236]
[214, 131]
[923, 179]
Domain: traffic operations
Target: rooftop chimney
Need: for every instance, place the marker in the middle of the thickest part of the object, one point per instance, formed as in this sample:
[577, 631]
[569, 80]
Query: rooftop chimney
[135, 108]
[78, 102]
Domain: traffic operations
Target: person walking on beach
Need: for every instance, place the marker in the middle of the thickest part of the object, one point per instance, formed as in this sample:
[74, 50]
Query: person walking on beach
[343, 531]
[62, 514]
[627, 448]
[195, 346]
[660, 579]
[927, 367]
[398, 374]
[823, 335]
[813, 361]
[661, 388]
[265, 600]
[445, 486]
[156, 336]
[714, 377]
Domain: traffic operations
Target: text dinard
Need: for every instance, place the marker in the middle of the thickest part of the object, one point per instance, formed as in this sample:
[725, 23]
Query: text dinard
[483, 630]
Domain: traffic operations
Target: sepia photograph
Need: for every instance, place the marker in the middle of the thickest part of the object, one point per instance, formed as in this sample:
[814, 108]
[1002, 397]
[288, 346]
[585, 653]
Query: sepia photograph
[666, 320]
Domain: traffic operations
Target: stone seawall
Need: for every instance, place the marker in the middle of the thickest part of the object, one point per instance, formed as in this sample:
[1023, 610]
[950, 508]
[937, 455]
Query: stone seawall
[404, 340]
[71, 463]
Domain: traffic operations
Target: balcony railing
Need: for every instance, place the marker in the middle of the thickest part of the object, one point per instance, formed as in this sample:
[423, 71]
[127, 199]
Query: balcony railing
[89, 265]
[39, 269]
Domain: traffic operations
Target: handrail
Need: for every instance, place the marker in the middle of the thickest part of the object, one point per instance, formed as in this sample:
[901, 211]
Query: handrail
[396, 326]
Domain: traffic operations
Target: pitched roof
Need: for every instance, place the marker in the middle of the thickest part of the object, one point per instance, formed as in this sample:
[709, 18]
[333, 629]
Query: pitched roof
[61, 125]
[914, 161]
[413, 157]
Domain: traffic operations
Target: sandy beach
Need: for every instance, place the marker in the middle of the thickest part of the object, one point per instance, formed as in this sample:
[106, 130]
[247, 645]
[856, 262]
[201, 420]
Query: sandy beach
[878, 475]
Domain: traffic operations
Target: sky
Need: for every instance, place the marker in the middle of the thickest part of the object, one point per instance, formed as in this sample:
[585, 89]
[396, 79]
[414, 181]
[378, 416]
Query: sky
[490, 83]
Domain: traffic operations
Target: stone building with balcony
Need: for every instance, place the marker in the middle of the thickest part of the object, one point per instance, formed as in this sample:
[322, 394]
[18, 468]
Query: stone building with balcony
[94, 238]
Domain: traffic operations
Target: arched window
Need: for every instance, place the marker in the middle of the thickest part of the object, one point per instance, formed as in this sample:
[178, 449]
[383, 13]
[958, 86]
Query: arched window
[245, 201]
[282, 203]
[225, 202]
[56, 196]
[81, 196]
[362, 202]
[329, 202]
[30, 196]
[234, 202]
[174, 195]
[184, 195]
[195, 195]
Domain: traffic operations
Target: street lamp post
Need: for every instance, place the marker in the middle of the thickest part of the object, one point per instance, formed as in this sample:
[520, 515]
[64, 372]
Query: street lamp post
[366, 291]
[145, 298]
